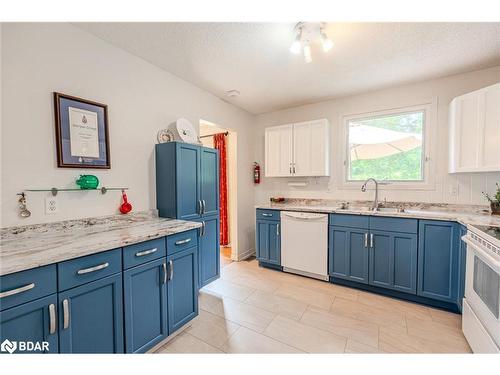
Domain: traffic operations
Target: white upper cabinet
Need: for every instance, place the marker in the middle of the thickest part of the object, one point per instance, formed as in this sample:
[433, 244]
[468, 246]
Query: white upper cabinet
[300, 149]
[475, 131]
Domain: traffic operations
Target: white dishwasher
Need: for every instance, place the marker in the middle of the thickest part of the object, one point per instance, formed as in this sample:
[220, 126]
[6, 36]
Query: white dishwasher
[304, 243]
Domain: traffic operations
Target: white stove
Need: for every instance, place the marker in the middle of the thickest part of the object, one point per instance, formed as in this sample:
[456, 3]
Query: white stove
[481, 305]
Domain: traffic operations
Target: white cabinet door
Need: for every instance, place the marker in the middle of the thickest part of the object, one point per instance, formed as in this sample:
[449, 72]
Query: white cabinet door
[490, 150]
[468, 124]
[311, 141]
[278, 151]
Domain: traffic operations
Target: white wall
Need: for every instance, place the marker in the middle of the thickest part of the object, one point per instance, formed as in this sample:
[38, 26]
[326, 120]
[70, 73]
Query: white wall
[38, 59]
[461, 189]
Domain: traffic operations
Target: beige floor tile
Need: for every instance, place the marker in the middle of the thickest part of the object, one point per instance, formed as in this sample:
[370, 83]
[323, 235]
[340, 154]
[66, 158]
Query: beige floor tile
[185, 343]
[283, 306]
[305, 337]
[247, 341]
[356, 347]
[211, 302]
[447, 318]
[354, 329]
[257, 282]
[211, 328]
[305, 295]
[226, 288]
[367, 313]
[237, 312]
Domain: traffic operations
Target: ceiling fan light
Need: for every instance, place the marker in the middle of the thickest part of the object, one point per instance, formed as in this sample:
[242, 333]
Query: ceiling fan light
[326, 42]
[307, 53]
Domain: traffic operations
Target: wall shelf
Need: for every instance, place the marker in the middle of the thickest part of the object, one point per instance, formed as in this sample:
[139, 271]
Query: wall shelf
[54, 190]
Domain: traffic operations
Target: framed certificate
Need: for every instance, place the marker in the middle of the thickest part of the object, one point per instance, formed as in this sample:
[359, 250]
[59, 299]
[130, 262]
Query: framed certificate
[81, 133]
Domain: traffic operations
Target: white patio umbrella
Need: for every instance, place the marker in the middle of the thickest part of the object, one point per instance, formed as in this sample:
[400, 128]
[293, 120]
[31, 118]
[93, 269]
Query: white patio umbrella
[369, 142]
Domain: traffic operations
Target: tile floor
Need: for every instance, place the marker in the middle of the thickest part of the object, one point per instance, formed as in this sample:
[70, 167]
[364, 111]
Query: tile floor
[256, 310]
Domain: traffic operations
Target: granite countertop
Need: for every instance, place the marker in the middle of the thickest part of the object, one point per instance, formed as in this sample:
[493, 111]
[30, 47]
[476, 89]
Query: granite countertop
[466, 215]
[31, 246]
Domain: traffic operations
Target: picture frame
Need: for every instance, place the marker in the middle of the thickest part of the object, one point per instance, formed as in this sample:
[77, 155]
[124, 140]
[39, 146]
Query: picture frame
[82, 135]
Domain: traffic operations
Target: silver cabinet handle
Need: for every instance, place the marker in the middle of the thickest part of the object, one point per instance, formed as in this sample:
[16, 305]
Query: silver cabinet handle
[146, 252]
[164, 272]
[200, 207]
[293, 168]
[93, 269]
[171, 268]
[203, 225]
[204, 205]
[21, 289]
[371, 240]
[366, 239]
[52, 319]
[65, 314]
[182, 242]
[290, 169]
[278, 229]
[267, 215]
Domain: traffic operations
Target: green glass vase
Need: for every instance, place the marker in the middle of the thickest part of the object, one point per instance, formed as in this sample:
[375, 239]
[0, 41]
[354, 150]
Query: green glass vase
[87, 181]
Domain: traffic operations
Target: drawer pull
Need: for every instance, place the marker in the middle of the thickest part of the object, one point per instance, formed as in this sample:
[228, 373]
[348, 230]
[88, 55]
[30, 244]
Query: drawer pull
[52, 319]
[146, 252]
[182, 242]
[93, 269]
[268, 215]
[12, 292]
[65, 314]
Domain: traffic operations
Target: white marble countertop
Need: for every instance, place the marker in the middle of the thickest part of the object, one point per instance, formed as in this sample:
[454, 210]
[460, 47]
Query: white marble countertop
[31, 246]
[438, 212]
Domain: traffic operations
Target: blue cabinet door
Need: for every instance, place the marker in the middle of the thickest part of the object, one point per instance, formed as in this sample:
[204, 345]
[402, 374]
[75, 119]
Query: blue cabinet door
[209, 180]
[31, 321]
[461, 267]
[438, 255]
[182, 288]
[393, 260]
[91, 317]
[348, 253]
[145, 305]
[209, 250]
[268, 241]
[188, 181]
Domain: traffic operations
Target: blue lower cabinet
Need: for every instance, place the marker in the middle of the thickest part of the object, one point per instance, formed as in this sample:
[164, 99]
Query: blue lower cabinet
[31, 323]
[209, 250]
[91, 317]
[438, 260]
[348, 253]
[145, 305]
[268, 241]
[182, 288]
[393, 260]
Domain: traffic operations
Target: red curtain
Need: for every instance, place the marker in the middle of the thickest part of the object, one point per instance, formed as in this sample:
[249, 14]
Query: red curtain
[220, 144]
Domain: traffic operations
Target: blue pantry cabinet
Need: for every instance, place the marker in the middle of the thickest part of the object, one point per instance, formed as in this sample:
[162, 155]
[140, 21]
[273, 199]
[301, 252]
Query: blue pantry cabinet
[268, 238]
[187, 187]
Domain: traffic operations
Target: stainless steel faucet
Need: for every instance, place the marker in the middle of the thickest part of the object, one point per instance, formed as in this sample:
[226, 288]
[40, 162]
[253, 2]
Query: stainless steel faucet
[375, 201]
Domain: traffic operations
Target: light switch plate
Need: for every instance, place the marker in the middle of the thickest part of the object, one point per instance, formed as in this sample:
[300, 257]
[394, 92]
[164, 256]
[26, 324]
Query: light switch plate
[51, 206]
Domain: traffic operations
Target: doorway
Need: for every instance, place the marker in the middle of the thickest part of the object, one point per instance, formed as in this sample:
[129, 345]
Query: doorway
[215, 136]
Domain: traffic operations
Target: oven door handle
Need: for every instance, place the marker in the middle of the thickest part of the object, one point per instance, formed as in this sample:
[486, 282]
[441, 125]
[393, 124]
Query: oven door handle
[487, 257]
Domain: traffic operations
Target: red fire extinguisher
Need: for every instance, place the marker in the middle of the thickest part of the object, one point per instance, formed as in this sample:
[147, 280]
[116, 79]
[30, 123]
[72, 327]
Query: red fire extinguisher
[256, 173]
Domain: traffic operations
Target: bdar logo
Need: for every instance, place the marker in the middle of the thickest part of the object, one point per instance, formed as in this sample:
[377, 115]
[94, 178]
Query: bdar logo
[8, 346]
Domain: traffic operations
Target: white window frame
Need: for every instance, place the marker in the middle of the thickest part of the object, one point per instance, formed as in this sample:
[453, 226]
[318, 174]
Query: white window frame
[427, 183]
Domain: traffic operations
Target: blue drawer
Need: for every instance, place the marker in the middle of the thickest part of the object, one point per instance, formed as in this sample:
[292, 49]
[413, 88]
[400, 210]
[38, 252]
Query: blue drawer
[394, 224]
[263, 214]
[86, 269]
[352, 221]
[143, 252]
[183, 240]
[25, 286]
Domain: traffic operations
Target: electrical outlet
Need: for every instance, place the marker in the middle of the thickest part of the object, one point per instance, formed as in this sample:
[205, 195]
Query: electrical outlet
[51, 206]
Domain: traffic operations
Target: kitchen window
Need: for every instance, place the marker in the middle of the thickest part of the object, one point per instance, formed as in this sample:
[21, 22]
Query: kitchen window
[388, 145]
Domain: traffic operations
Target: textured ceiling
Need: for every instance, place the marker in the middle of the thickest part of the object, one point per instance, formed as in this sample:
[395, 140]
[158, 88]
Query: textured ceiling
[254, 58]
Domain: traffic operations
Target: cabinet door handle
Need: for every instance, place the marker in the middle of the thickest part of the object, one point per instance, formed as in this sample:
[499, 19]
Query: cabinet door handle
[93, 269]
[200, 207]
[203, 228]
[290, 169]
[146, 252]
[52, 319]
[182, 242]
[165, 274]
[371, 240]
[277, 229]
[65, 314]
[293, 168]
[204, 206]
[267, 215]
[171, 268]
[21, 289]
[366, 239]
